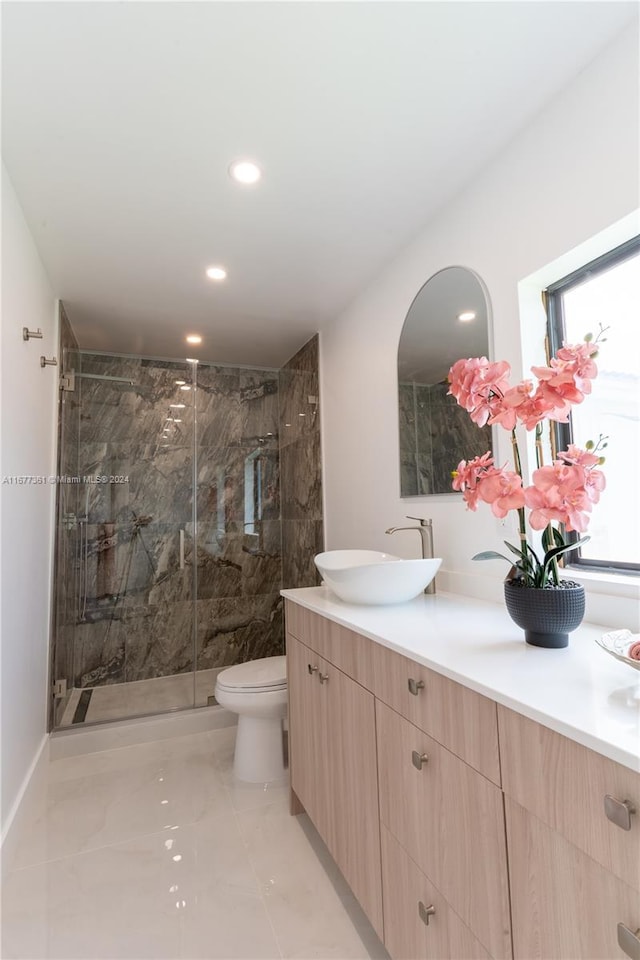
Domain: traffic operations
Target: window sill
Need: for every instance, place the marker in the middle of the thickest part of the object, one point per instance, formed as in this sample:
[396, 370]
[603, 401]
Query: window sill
[599, 581]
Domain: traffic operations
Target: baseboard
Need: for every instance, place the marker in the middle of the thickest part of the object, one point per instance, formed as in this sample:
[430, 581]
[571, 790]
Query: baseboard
[125, 733]
[31, 788]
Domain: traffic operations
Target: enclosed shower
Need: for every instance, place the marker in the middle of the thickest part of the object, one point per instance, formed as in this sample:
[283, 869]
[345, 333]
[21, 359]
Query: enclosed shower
[169, 551]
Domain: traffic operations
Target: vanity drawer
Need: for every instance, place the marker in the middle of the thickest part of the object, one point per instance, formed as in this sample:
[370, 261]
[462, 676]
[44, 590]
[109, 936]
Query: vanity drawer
[345, 649]
[564, 904]
[450, 820]
[460, 719]
[565, 785]
[409, 900]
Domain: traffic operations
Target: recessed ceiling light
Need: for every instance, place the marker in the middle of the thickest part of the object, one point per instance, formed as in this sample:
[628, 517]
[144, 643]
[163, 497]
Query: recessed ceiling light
[185, 386]
[194, 338]
[180, 383]
[190, 360]
[178, 406]
[467, 315]
[216, 273]
[245, 171]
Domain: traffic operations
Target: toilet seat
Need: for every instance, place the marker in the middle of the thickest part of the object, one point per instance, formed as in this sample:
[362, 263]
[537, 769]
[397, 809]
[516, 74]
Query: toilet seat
[254, 676]
[240, 691]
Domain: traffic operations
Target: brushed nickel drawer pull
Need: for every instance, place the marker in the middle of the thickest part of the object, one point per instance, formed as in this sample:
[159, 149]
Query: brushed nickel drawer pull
[629, 942]
[311, 669]
[417, 759]
[425, 912]
[619, 811]
[415, 686]
[323, 677]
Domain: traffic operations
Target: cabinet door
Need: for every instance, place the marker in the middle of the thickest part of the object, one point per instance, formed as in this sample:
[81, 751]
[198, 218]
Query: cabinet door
[450, 820]
[308, 755]
[564, 904]
[352, 767]
[419, 924]
[333, 768]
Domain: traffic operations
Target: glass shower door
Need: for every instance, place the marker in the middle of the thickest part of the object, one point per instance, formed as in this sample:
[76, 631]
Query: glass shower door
[134, 575]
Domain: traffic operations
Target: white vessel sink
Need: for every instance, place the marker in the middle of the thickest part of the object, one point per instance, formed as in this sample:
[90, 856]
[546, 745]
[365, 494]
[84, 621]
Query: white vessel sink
[372, 577]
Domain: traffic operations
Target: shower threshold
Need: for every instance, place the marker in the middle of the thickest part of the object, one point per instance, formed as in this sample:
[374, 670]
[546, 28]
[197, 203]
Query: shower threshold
[136, 698]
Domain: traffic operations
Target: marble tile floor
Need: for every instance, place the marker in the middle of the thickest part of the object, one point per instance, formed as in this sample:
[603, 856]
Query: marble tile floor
[156, 851]
[137, 698]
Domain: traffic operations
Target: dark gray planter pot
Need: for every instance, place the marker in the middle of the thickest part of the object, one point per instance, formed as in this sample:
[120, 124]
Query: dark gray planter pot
[546, 616]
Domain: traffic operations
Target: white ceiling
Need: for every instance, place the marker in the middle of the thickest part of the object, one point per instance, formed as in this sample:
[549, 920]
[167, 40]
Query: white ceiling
[120, 121]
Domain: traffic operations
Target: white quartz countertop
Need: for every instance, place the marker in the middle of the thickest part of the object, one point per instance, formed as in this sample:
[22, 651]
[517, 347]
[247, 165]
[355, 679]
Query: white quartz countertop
[580, 691]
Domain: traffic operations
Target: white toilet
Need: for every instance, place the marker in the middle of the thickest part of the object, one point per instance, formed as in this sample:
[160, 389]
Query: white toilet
[257, 692]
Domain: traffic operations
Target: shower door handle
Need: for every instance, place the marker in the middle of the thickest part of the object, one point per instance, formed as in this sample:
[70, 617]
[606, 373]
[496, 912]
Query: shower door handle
[182, 549]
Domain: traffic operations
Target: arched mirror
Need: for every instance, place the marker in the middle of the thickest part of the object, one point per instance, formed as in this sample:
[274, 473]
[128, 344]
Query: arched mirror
[448, 319]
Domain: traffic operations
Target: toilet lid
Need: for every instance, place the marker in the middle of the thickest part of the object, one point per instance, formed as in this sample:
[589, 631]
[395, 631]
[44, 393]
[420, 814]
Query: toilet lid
[265, 673]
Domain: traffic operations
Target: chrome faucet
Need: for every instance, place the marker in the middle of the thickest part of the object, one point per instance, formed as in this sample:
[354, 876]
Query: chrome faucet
[426, 539]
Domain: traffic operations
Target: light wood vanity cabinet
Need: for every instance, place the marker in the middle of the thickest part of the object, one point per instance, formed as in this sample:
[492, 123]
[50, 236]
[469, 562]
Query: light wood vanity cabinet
[464, 829]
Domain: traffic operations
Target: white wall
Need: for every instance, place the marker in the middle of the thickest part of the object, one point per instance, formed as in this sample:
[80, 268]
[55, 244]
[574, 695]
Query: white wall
[27, 447]
[567, 176]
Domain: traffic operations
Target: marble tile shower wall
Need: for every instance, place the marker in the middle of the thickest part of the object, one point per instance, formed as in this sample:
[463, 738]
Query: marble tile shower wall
[138, 619]
[435, 434]
[301, 467]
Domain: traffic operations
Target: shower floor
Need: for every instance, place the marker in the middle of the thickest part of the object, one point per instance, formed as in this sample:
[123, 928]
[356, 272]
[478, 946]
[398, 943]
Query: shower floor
[117, 701]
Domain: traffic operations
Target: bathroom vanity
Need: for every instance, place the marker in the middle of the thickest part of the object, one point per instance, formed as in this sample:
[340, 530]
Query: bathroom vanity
[481, 797]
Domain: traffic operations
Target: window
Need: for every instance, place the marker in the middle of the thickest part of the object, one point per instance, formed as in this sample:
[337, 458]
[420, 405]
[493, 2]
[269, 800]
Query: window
[606, 292]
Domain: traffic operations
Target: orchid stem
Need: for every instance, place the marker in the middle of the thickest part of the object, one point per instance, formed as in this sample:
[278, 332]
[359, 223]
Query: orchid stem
[539, 450]
[518, 465]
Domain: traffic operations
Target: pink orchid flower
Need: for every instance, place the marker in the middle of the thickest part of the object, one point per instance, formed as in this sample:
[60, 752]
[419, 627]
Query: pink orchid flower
[518, 404]
[558, 493]
[467, 475]
[503, 491]
[575, 454]
[476, 384]
[594, 480]
[580, 357]
[559, 392]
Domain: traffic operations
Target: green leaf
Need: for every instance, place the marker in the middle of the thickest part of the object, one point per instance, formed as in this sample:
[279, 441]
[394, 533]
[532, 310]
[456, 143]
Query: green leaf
[551, 535]
[556, 552]
[519, 553]
[490, 555]
[588, 337]
[534, 555]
